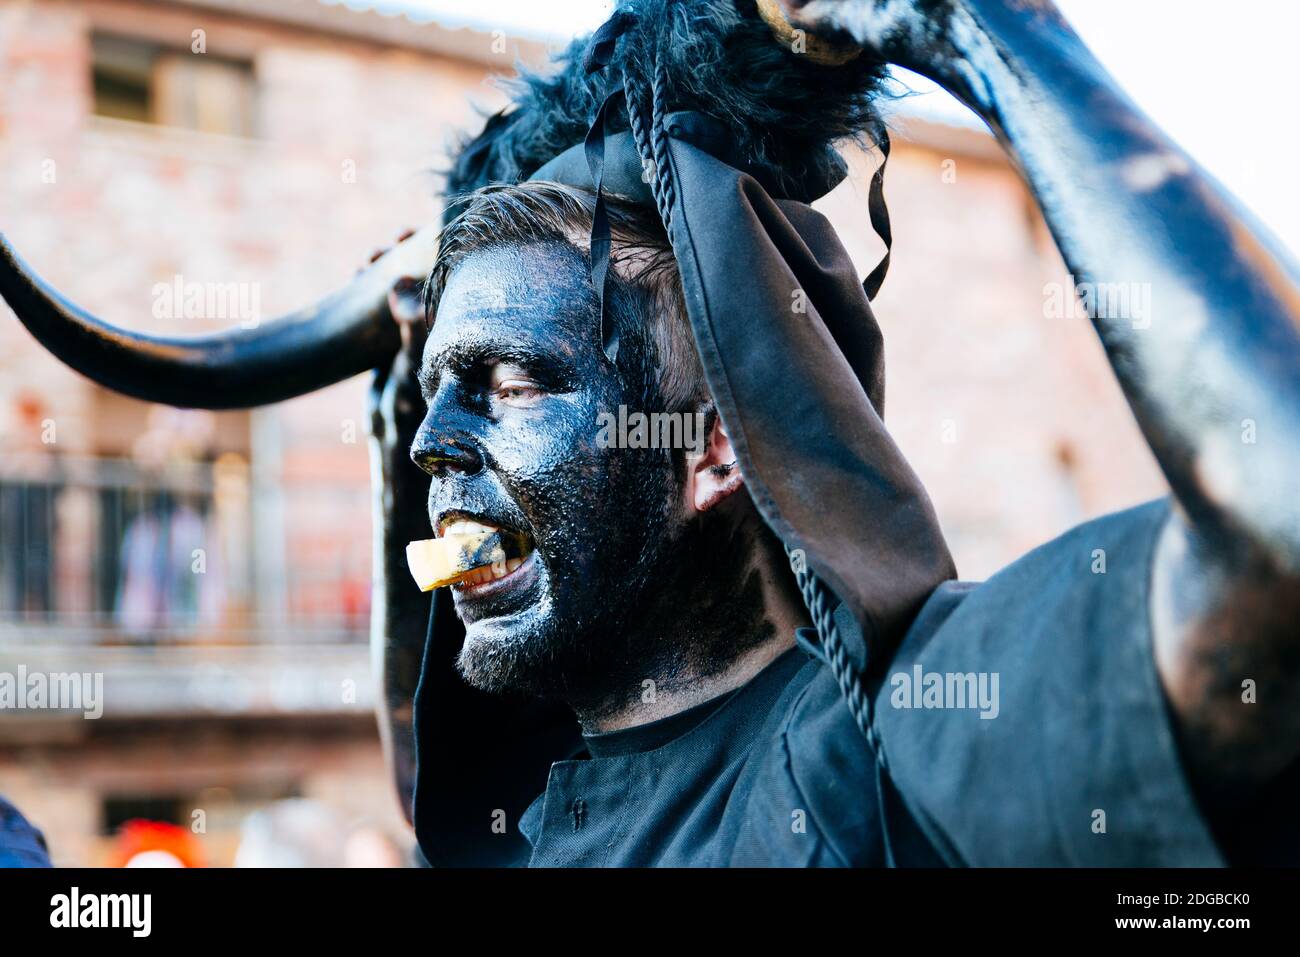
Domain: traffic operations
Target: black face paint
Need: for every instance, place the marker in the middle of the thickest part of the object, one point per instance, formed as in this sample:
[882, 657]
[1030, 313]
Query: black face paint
[623, 584]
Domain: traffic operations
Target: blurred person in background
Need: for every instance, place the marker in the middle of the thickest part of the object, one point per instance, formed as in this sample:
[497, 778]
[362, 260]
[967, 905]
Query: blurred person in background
[171, 581]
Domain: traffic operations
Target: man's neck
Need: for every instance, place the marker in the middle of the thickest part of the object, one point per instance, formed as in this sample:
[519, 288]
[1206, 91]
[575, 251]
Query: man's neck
[674, 701]
[759, 591]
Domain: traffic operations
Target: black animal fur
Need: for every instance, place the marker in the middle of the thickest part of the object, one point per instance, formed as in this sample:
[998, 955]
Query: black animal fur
[784, 111]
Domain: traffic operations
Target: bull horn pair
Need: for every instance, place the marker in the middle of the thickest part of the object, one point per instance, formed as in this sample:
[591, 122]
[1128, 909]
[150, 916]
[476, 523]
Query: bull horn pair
[344, 334]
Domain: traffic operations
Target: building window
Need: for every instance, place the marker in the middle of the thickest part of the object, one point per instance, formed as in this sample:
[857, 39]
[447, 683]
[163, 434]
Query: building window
[146, 83]
[122, 70]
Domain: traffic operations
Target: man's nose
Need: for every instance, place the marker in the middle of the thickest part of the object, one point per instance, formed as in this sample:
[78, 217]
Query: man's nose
[442, 452]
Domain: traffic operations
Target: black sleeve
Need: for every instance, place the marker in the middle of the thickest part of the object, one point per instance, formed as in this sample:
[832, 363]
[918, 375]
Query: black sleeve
[1068, 755]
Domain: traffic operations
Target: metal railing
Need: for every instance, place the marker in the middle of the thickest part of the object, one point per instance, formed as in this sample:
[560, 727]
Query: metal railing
[102, 551]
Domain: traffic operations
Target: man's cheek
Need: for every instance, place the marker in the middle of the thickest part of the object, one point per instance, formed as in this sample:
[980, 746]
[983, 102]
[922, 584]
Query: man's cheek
[544, 438]
[552, 470]
[551, 457]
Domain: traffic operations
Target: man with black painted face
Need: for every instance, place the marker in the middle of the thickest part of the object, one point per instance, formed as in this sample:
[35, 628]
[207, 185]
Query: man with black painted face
[643, 583]
[1056, 714]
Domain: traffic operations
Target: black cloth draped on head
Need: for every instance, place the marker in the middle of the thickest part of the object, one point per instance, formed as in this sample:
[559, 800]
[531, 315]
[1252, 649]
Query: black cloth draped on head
[794, 359]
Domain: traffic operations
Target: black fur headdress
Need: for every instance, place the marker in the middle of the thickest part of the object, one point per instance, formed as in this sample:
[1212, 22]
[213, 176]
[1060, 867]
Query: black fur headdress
[783, 111]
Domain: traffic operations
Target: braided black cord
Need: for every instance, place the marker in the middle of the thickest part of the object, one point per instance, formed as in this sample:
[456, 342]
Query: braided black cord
[665, 193]
[652, 144]
[640, 136]
[819, 601]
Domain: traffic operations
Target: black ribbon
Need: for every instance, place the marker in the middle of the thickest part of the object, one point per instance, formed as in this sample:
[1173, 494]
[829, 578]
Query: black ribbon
[598, 55]
[879, 222]
[600, 48]
[594, 147]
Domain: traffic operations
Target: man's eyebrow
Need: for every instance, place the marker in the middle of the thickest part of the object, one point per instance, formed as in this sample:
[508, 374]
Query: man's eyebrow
[463, 356]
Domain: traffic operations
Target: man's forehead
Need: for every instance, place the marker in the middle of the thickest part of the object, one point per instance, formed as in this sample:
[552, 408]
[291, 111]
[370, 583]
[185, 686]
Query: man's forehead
[532, 292]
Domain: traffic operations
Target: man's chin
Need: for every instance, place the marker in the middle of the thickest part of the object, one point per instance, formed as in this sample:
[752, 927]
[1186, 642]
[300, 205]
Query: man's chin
[508, 654]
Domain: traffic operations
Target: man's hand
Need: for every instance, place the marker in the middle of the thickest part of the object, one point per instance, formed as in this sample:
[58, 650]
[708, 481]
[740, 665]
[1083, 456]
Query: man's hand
[400, 612]
[930, 37]
[394, 402]
[899, 32]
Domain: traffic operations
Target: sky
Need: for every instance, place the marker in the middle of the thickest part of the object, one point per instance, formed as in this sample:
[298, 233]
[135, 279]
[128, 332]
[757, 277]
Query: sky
[1215, 75]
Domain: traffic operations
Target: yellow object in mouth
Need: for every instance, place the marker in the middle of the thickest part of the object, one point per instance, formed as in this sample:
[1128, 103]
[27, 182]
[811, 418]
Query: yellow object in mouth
[435, 562]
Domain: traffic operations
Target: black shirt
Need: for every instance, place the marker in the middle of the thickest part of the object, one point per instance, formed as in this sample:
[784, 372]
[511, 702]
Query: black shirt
[1066, 757]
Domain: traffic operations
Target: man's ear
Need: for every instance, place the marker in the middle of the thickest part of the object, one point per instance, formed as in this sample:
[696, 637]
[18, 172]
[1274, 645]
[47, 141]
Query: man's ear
[713, 473]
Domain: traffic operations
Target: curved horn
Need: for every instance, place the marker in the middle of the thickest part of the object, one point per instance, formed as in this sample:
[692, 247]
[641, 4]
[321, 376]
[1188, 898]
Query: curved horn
[342, 335]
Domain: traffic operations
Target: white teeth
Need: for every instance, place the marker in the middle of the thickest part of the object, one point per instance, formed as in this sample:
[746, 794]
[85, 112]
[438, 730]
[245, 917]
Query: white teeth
[463, 526]
[492, 572]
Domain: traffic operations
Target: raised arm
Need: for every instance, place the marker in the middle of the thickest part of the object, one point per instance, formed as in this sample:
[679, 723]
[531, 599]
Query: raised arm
[1199, 312]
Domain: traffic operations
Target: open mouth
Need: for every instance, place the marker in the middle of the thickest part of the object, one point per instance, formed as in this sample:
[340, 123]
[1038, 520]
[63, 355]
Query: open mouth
[505, 551]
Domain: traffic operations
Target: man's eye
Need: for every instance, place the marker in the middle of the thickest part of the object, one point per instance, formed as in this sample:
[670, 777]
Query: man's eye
[511, 384]
[516, 391]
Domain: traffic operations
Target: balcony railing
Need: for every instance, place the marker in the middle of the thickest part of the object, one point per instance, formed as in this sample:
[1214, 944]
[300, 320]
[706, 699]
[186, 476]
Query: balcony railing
[102, 551]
